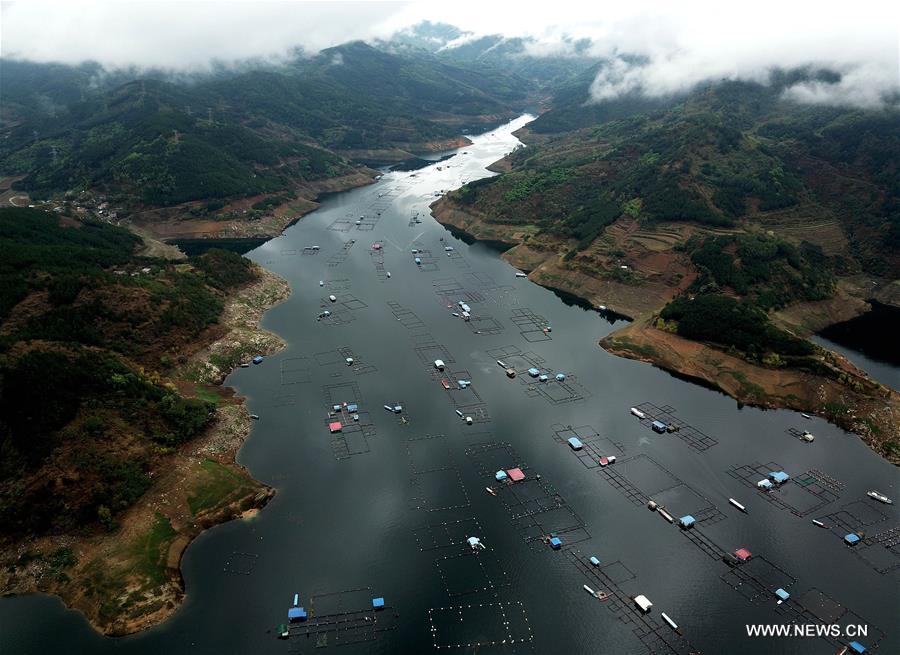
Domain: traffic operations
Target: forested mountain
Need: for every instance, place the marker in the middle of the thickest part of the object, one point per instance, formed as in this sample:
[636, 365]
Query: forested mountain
[88, 330]
[163, 140]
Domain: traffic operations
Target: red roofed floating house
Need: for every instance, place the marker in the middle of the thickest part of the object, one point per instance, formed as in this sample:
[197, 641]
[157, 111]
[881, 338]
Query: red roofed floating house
[743, 554]
[515, 474]
[334, 426]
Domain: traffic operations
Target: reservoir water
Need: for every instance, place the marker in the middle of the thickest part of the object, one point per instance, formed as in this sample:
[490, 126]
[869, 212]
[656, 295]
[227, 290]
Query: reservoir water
[382, 509]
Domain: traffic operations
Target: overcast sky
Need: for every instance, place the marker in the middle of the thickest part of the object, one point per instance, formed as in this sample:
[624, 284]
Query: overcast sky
[684, 42]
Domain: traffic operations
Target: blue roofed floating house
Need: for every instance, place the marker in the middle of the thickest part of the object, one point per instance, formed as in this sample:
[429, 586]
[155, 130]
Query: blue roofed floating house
[856, 647]
[594, 561]
[575, 443]
[560, 377]
[556, 543]
[851, 539]
[686, 521]
[658, 426]
[352, 407]
[258, 359]
[534, 372]
[296, 614]
[378, 603]
[778, 477]
[782, 594]
[543, 377]
[500, 476]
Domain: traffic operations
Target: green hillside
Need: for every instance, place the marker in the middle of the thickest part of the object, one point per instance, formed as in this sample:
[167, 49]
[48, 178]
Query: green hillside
[86, 332]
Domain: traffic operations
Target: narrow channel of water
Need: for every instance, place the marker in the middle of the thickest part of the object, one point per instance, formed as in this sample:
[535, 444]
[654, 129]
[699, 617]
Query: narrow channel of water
[382, 509]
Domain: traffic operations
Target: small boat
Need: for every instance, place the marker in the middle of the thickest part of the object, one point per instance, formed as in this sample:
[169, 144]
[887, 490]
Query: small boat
[602, 308]
[388, 408]
[283, 631]
[663, 513]
[255, 417]
[738, 505]
[296, 600]
[589, 590]
[388, 273]
[819, 523]
[521, 275]
[459, 413]
[321, 283]
[491, 491]
[807, 436]
[806, 416]
[672, 624]
[501, 364]
[245, 365]
[469, 420]
[880, 497]
[636, 412]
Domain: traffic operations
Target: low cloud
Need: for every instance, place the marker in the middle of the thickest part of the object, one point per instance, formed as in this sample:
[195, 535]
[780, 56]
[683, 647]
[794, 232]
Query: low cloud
[651, 47]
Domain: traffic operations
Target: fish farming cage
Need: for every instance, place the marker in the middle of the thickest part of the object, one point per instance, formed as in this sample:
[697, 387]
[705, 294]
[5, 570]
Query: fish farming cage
[281, 398]
[346, 300]
[309, 251]
[337, 361]
[640, 477]
[337, 317]
[427, 452]
[447, 534]
[657, 637]
[694, 438]
[428, 263]
[702, 541]
[531, 326]
[344, 617]
[459, 396]
[500, 294]
[498, 627]
[469, 572]
[240, 563]
[344, 224]
[879, 550]
[514, 358]
[555, 392]
[801, 495]
[430, 351]
[450, 291]
[593, 445]
[405, 317]
[757, 579]
[378, 263]
[337, 284]
[484, 324]
[815, 607]
[535, 508]
[295, 370]
[438, 489]
[289, 252]
[456, 258]
[342, 254]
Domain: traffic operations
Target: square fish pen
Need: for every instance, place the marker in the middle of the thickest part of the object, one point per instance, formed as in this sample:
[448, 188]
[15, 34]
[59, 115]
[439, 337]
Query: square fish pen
[295, 370]
[532, 327]
[815, 607]
[694, 438]
[593, 445]
[609, 579]
[802, 494]
[481, 626]
[757, 579]
[405, 317]
[343, 253]
[439, 489]
[467, 572]
[447, 534]
[344, 617]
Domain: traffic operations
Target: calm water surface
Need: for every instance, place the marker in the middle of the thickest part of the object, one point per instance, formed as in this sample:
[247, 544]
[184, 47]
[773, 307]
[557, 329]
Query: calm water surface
[383, 511]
